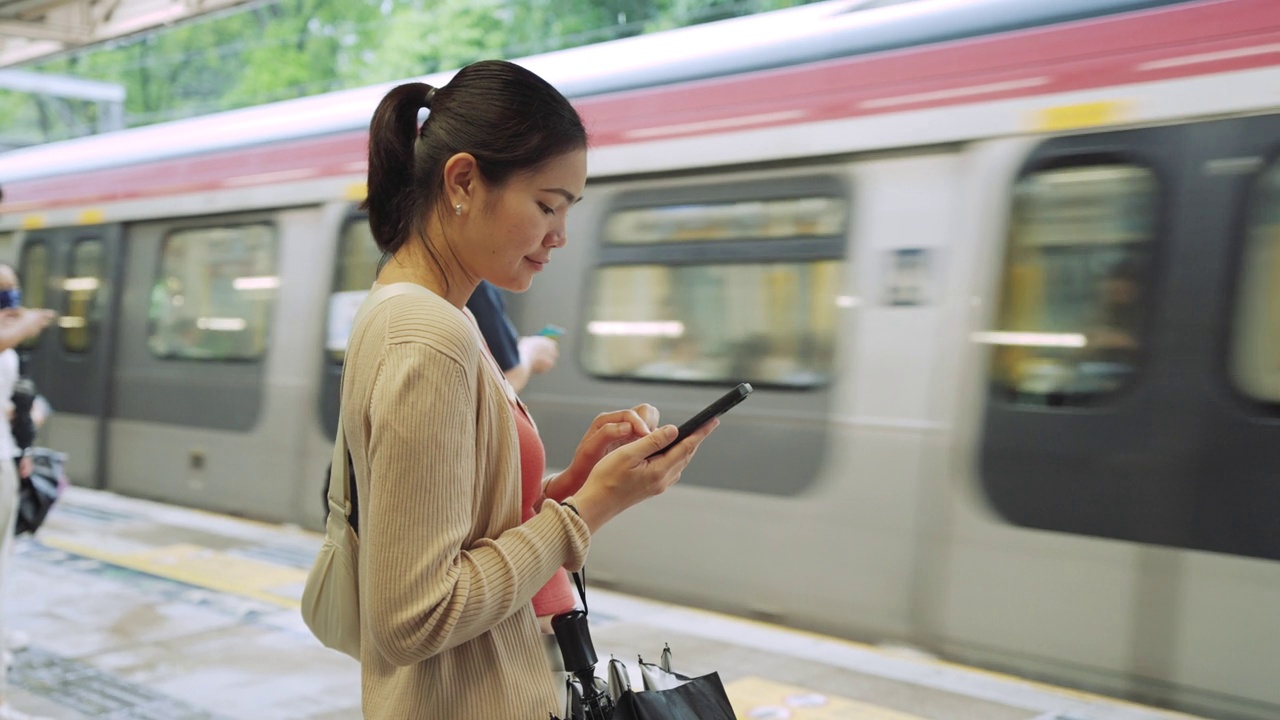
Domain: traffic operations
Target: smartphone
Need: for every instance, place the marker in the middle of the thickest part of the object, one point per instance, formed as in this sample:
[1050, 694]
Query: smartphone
[552, 331]
[721, 406]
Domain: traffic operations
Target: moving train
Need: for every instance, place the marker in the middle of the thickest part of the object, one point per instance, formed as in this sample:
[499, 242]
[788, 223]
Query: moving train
[1005, 274]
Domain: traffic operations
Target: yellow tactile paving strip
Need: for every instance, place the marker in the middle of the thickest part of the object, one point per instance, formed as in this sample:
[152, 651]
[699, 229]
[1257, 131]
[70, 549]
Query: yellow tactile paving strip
[202, 567]
[755, 698]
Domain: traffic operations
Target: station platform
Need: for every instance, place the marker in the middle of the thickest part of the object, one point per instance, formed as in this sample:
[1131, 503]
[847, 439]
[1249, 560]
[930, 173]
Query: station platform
[136, 610]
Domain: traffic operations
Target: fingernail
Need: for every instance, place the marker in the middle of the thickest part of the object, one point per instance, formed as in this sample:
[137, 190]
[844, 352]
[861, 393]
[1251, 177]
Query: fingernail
[670, 431]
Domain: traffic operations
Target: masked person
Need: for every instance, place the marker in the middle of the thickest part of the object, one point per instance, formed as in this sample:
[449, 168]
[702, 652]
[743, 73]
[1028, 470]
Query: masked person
[16, 324]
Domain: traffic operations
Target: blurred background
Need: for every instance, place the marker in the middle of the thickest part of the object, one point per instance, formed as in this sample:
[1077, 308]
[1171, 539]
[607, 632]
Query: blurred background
[1005, 275]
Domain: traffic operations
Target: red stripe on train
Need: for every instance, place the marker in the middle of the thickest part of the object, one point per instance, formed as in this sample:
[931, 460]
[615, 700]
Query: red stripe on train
[1167, 43]
[1120, 50]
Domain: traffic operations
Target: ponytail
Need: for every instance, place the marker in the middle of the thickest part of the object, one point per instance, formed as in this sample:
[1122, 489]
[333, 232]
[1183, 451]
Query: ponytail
[393, 135]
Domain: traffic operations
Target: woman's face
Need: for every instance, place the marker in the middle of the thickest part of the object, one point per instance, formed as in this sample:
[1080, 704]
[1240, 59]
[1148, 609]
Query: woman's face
[515, 226]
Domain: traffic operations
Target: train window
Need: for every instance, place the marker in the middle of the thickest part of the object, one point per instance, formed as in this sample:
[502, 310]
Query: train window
[83, 298]
[358, 257]
[34, 275]
[1255, 356]
[214, 294]
[1071, 320]
[767, 219]
[720, 283]
[768, 323]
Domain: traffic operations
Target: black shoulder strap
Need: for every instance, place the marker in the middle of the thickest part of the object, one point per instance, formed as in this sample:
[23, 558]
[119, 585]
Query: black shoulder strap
[580, 579]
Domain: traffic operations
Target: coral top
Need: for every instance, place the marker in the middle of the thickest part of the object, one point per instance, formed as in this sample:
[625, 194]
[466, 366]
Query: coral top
[557, 595]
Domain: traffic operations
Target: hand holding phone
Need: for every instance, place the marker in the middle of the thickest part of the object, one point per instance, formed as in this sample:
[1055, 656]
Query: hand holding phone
[628, 475]
[721, 406]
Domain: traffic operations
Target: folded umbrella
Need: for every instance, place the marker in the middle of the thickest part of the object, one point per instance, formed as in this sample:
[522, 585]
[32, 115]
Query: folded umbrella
[667, 695]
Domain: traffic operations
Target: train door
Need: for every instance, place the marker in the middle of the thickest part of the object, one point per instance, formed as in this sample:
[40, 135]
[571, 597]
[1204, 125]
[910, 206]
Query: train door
[1228, 298]
[674, 289]
[1079, 383]
[1134, 381]
[74, 271]
[190, 382]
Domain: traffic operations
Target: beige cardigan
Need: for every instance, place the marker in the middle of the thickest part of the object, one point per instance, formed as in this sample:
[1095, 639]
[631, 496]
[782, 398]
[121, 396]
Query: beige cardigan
[447, 571]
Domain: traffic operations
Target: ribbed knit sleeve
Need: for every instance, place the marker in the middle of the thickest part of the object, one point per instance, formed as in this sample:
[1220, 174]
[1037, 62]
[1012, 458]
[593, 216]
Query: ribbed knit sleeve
[426, 586]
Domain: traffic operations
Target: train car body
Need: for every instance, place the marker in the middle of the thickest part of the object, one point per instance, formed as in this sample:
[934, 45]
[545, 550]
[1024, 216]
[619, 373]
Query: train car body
[1006, 275]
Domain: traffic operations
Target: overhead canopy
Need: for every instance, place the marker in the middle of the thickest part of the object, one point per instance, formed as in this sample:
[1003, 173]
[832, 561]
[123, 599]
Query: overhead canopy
[31, 29]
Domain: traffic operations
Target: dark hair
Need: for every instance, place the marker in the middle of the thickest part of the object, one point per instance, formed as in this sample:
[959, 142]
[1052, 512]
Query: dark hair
[510, 119]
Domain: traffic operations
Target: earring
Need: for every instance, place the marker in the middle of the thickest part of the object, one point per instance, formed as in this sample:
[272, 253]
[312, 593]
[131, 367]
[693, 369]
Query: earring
[457, 209]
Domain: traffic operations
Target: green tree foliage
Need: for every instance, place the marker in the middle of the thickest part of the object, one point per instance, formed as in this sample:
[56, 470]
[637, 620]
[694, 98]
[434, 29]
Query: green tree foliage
[304, 47]
[432, 35]
[293, 48]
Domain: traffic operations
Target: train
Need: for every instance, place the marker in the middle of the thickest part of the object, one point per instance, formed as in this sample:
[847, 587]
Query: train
[1005, 275]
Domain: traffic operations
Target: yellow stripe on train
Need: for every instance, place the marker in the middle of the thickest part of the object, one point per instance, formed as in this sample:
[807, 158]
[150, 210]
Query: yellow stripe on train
[1081, 115]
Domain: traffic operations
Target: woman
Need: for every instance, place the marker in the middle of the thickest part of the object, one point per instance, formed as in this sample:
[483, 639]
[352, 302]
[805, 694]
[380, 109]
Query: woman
[448, 565]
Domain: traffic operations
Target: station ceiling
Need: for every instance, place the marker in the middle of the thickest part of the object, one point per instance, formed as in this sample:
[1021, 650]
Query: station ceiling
[32, 29]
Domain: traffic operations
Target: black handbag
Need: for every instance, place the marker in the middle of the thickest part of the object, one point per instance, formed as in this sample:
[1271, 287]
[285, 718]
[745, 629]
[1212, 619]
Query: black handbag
[38, 493]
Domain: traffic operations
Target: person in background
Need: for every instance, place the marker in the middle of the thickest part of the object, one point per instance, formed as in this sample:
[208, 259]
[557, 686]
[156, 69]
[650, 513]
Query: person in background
[441, 445]
[520, 358]
[1119, 310]
[1115, 328]
[16, 325]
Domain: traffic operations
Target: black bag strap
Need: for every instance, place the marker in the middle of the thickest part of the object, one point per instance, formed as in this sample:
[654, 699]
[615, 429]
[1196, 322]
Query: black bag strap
[340, 481]
[580, 579]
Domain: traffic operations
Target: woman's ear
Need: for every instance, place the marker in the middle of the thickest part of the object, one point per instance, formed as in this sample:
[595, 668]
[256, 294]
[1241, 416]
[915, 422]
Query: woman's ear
[461, 177]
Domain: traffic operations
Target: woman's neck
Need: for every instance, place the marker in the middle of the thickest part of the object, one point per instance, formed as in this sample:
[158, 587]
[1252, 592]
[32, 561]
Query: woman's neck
[412, 263]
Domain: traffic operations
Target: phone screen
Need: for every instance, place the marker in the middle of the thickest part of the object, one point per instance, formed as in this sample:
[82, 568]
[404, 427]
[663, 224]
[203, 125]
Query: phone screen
[722, 405]
[555, 332]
